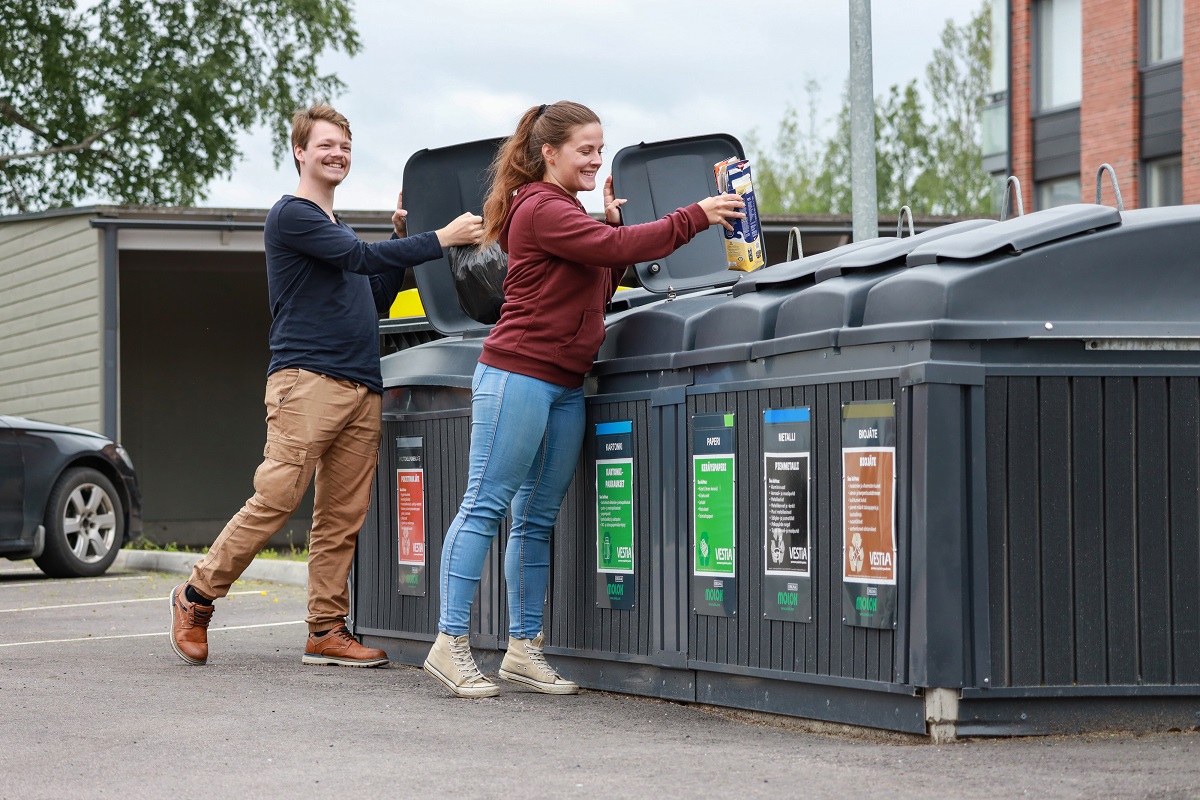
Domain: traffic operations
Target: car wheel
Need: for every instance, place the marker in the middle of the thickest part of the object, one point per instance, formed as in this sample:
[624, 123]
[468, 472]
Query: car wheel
[85, 525]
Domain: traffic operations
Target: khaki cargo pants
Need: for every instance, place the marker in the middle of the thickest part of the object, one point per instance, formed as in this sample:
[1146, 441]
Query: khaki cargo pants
[316, 425]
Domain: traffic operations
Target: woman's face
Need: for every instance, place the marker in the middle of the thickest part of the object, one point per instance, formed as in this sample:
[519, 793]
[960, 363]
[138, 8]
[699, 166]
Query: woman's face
[573, 165]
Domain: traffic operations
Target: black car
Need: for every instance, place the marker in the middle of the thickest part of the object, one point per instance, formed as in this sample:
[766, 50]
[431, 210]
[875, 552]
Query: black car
[69, 498]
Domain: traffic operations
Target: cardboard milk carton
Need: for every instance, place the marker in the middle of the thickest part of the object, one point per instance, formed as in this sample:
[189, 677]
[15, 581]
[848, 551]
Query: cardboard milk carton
[744, 244]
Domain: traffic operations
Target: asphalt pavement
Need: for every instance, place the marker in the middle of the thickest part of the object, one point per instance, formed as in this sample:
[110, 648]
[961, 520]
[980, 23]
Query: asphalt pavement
[96, 704]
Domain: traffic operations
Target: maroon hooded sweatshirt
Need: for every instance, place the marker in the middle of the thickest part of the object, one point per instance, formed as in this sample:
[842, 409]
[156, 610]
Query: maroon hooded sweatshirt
[563, 267]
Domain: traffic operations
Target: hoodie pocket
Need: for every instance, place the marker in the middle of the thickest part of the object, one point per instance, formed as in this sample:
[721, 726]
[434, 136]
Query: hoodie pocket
[581, 350]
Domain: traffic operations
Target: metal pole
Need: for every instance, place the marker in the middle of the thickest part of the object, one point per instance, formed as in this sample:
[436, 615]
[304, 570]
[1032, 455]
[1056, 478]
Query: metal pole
[862, 124]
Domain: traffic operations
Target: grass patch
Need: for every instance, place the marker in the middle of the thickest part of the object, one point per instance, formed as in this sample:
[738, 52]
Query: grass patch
[169, 547]
[287, 553]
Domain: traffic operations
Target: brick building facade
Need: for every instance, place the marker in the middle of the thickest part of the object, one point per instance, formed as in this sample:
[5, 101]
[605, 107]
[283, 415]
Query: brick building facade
[1090, 82]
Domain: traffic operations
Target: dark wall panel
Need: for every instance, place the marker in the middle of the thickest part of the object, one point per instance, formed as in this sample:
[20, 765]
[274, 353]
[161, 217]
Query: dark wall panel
[1056, 145]
[1092, 515]
[1162, 111]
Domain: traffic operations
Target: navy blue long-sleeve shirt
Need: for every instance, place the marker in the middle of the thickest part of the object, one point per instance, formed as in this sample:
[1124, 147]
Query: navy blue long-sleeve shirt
[327, 288]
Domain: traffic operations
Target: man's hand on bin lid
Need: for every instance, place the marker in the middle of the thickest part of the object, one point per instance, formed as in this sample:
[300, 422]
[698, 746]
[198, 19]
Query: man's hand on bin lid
[398, 216]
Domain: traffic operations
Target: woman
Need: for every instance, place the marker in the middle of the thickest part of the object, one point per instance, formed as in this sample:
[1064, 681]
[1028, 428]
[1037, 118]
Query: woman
[527, 410]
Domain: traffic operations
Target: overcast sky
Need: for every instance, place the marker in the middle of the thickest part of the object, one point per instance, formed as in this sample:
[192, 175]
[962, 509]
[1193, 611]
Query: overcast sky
[432, 74]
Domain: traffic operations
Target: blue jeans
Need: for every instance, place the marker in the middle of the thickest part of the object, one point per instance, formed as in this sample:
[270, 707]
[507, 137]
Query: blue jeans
[525, 440]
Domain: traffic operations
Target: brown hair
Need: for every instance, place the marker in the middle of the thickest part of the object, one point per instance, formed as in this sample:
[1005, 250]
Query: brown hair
[303, 121]
[519, 160]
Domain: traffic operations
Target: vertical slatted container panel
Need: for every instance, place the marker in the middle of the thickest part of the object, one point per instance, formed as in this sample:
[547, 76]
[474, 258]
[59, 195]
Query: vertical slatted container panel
[1120, 529]
[1184, 488]
[574, 619]
[1054, 527]
[1153, 576]
[371, 570]
[1087, 504]
[825, 646]
[1094, 530]
[379, 606]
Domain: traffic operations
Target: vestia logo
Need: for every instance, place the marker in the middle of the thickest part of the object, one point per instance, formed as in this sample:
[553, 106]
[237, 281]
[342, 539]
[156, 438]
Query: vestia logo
[879, 559]
[724, 554]
[624, 553]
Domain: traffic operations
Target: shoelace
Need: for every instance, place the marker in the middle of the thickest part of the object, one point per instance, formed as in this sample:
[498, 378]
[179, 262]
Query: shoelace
[460, 653]
[539, 661]
[201, 615]
[343, 633]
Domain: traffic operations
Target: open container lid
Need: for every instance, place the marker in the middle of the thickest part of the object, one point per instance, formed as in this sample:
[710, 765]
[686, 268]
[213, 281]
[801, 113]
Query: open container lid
[660, 177]
[439, 185]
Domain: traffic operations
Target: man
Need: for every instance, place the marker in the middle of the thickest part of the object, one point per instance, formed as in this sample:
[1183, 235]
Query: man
[324, 388]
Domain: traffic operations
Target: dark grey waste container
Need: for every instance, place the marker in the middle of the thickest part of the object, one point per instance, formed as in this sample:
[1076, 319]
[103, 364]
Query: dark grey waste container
[426, 439]
[1043, 376]
[1036, 385]
[1055, 527]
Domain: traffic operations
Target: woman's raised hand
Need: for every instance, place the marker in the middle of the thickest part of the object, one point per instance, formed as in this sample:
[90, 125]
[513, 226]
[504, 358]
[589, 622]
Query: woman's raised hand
[722, 208]
[612, 204]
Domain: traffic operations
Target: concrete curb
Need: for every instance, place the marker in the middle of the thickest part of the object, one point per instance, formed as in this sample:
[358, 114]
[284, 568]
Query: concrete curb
[292, 573]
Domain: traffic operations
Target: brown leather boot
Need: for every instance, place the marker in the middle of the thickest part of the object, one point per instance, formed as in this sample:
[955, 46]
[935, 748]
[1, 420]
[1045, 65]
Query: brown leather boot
[341, 649]
[189, 627]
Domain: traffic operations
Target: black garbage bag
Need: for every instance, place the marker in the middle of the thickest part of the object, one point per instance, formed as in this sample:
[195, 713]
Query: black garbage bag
[479, 280]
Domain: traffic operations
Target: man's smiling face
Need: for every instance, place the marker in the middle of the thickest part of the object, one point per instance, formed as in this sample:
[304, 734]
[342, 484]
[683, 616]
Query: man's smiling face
[326, 157]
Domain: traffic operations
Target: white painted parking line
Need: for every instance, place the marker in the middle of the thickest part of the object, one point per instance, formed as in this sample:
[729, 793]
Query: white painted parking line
[105, 603]
[144, 635]
[73, 581]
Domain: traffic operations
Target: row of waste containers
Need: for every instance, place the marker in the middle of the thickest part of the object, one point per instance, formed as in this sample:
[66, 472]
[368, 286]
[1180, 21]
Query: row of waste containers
[942, 484]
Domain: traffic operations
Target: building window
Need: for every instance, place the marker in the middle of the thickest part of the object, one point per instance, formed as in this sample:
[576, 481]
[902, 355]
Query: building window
[1059, 53]
[1165, 30]
[1164, 182]
[994, 116]
[1058, 192]
[998, 67]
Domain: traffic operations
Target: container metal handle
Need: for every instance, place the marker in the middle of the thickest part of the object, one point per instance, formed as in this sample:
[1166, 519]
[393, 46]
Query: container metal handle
[794, 238]
[1008, 184]
[904, 210]
[1112, 174]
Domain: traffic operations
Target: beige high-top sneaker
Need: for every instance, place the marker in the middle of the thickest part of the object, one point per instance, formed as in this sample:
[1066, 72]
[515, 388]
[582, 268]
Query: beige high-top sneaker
[451, 662]
[525, 663]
